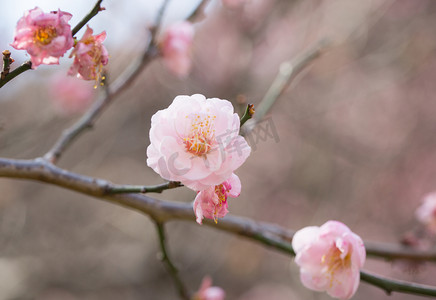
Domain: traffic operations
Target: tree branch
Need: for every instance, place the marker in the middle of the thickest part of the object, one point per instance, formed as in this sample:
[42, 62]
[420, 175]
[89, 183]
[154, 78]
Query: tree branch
[121, 189]
[287, 72]
[198, 12]
[172, 270]
[392, 285]
[94, 11]
[161, 211]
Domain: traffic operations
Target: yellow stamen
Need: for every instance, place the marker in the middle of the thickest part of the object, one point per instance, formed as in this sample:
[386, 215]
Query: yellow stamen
[45, 35]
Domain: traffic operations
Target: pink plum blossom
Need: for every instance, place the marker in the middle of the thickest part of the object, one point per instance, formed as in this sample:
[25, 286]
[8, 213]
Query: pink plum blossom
[69, 94]
[45, 36]
[233, 3]
[208, 292]
[89, 56]
[212, 203]
[330, 258]
[176, 48]
[426, 213]
[196, 141]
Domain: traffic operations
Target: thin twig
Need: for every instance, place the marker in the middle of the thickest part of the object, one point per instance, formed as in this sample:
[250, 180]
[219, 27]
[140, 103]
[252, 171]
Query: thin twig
[154, 30]
[161, 211]
[121, 189]
[27, 65]
[172, 270]
[94, 11]
[287, 72]
[198, 13]
[393, 285]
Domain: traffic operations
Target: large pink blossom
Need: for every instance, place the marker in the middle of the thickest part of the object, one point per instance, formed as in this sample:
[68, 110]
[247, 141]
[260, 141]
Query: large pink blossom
[330, 258]
[212, 203]
[209, 292]
[196, 141]
[426, 213]
[45, 36]
[176, 47]
[89, 56]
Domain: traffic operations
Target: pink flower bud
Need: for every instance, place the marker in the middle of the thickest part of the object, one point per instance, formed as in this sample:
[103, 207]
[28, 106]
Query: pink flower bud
[89, 56]
[208, 292]
[330, 258]
[426, 213]
[45, 36]
[196, 141]
[212, 203]
[176, 48]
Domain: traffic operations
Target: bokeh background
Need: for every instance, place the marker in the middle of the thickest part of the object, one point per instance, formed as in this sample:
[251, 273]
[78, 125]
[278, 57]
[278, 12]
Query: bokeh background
[356, 143]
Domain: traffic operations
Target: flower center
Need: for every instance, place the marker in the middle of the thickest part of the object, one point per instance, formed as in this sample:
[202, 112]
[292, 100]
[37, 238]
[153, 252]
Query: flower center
[334, 262]
[221, 191]
[45, 35]
[201, 137]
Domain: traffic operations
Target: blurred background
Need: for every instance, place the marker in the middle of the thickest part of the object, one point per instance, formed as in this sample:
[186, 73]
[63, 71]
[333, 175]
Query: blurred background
[354, 141]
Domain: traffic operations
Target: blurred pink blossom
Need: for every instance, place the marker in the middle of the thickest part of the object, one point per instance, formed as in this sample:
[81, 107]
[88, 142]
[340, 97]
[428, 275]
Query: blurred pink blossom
[426, 213]
[176, 46]
[212, 203]
[89, 56]
[234, 3]
[45, 36]
[208, 292]
[70, 95]
[330, 258]
[196, 141]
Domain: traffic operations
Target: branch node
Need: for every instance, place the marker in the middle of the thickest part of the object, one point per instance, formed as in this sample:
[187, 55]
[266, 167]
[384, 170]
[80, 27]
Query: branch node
[7, 61]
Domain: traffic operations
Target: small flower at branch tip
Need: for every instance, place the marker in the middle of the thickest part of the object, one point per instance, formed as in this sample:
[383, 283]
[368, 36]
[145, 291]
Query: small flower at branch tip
[196, 141]
[175, 46]
[45, 36]
[212, 203]
[90, 55]
[209, 292]
[330, 258]
[426, 212]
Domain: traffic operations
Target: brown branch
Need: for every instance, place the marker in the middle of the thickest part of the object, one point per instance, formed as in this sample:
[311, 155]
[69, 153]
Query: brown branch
[162, 211]
[7, 60]
[198, 13]
[94, 11]
[171, 268]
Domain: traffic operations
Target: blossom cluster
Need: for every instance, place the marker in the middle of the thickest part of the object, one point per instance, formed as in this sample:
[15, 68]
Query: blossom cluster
[196, 141]
[47, 36]
[330, 258]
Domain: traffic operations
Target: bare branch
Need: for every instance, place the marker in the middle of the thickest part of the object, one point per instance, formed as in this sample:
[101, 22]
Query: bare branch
[161, 211]
[94, 11]
[198, 13]
[392, 285]
[287, 73]
[172, 270]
